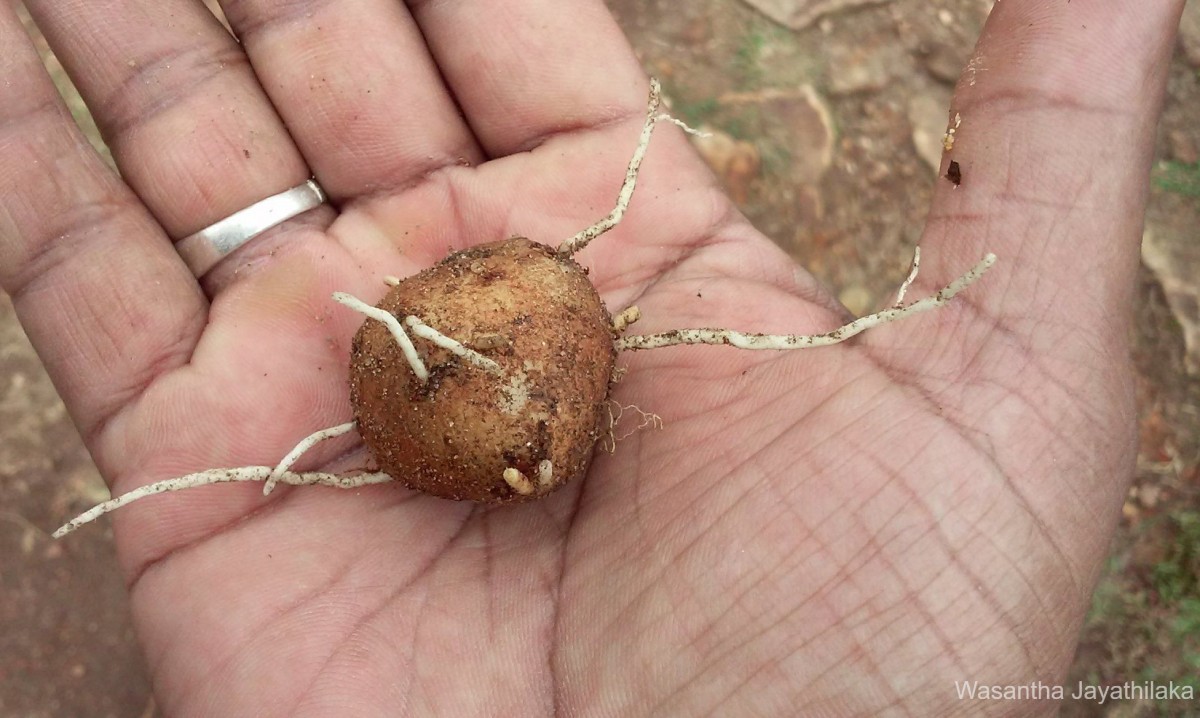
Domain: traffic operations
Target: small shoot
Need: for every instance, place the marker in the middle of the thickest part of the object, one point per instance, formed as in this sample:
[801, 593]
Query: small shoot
[519, 482]
[524, 486]
[627, 316]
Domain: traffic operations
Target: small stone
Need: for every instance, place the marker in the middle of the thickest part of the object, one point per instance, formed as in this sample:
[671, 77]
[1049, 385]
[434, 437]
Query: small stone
[857, 299]
[801, 125]
[1174, 258]
[927, 116]
[877, 172]
[1149, 495]
[944, 63]
[698, 31]
[799, 14]
[735, 162]
[1189, 33]
[859, 69]
[28, 541]
[1183, 147]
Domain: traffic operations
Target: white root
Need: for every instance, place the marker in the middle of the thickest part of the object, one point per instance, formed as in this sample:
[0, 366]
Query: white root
[300, 449]
[420, 329]
[664, 117]
[393, 326]
[912, 277]
[646, 420]
[427, 332]
[220, 476]
[653, 117]
[737, 339]
[743, 340]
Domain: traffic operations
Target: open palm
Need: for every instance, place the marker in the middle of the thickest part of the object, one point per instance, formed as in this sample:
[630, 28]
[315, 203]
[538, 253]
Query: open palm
[847, 530]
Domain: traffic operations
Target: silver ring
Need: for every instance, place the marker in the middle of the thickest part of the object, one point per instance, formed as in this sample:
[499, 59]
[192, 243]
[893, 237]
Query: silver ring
[202, 250]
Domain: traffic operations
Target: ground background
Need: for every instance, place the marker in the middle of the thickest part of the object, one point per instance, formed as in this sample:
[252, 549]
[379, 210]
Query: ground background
[827, 129]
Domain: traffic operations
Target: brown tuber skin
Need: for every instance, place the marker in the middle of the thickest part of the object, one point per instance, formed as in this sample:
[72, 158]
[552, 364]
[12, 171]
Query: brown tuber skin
[535, 313]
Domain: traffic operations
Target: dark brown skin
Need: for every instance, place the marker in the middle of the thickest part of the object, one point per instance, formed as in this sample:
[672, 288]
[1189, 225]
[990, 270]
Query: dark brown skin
[525, 307]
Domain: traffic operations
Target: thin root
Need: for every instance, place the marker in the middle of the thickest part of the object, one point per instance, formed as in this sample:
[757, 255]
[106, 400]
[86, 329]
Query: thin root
[393, 326]
[427, 332]
[912, 277]
[646, 421]
[743, 340]
[653, 117]
[219, 476]
[664, 117]
[307, 443]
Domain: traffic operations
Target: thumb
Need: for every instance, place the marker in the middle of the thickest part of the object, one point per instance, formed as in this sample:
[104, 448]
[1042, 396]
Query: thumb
[1056, 116]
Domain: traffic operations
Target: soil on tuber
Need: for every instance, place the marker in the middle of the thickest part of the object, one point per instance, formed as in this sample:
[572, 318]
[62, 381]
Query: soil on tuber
[486, 377]
[536, 413]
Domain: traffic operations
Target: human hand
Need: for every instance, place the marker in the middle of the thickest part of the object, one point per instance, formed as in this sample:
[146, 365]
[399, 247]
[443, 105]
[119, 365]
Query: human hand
[850, 529]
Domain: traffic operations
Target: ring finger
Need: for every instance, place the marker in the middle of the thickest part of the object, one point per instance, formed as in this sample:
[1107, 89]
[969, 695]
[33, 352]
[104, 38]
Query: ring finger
[189, 126]
[195, 132]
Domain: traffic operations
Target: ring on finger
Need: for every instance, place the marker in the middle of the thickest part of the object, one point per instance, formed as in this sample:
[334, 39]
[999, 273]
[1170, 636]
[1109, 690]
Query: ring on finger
[204, 249]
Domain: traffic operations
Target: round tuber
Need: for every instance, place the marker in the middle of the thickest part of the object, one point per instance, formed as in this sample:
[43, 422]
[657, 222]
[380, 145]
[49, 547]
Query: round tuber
[456, 434]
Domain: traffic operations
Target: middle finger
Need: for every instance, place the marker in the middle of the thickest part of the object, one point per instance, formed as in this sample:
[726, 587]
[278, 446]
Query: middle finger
[178, 104]
[357, 87]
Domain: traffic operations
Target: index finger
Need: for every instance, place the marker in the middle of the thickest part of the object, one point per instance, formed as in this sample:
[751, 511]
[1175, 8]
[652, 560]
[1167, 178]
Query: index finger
[104, 298]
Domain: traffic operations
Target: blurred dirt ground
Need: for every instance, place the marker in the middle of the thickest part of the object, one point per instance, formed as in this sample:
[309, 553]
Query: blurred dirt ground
[827, 128]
